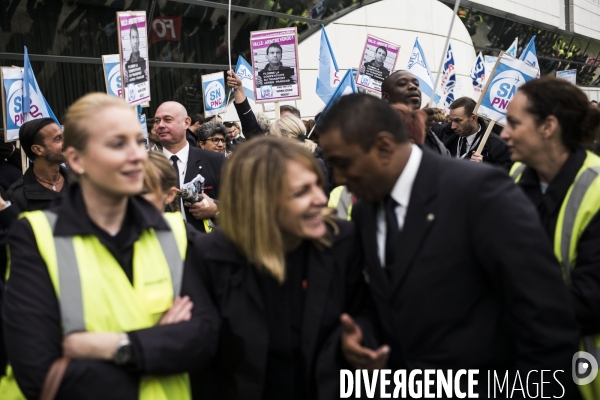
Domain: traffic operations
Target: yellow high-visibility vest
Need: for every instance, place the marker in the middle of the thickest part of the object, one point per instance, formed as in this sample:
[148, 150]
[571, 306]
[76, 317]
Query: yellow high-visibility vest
[340, 199]
[95, 295]
[580, 205]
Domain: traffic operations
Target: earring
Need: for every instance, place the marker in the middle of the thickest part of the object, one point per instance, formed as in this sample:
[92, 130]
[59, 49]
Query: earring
[81, 172]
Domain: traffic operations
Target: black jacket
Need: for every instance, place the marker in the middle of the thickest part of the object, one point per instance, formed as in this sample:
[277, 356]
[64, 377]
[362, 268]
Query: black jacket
[32, 322]
[231, 145]
[476, 285]
[333, 286]
[191, 138]
[209, 165]
[27, 194]
[248, 121]
[495, 151]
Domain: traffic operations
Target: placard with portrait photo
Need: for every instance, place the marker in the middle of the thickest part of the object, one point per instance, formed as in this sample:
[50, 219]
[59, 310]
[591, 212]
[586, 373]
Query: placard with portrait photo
[133, 53]
[377, 63]
[275, 64]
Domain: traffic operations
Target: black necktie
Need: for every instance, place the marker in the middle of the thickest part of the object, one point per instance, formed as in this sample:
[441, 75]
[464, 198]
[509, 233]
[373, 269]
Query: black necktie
[391, 232]
[175, 159]
[463, 146]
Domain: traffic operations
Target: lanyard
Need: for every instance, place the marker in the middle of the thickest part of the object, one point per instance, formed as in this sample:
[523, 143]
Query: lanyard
[473, 145]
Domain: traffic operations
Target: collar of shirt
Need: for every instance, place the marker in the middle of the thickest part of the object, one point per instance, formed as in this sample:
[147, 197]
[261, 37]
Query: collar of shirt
[73, 218]
[403, 187]
[401, 194]
[558, 188]
[471, 138]
[183, 156]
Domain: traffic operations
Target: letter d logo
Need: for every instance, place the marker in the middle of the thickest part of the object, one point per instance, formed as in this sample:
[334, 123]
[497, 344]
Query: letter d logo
[584, 368]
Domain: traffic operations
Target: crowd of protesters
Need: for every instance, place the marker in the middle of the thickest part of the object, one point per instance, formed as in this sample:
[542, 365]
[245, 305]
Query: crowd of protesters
[257, 259]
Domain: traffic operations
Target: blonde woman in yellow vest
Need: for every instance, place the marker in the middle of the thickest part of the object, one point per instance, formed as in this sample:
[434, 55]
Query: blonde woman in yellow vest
[550, 124]
[104, 278]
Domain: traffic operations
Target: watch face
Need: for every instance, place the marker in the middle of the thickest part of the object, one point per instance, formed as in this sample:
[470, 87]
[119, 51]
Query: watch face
[124, 355]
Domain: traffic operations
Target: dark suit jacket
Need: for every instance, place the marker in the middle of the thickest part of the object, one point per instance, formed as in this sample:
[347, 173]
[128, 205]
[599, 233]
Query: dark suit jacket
[238, 372]
[208, 164]
[495, 151]
[476, 284]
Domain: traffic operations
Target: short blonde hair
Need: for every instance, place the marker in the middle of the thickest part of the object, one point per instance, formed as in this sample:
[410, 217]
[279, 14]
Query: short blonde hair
[76, 133]
[288, 126]
[257, 173]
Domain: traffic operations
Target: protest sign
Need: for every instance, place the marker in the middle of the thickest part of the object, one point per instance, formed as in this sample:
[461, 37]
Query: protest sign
[144, 127]
[275, 64]
[215, 96]
[489, 63]
[378, 60]
[112, 74]
[508, 75]
[568, 75]
[133, 53]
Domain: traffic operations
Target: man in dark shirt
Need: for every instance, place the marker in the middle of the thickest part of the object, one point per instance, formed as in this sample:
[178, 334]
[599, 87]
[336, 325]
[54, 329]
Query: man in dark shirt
[42, 141]
[463, 135]
[274, 73]
[135, 68]
[375, 68]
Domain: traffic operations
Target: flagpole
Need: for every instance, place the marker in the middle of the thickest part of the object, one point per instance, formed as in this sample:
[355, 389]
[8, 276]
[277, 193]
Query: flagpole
[229, 34]
[441, 68]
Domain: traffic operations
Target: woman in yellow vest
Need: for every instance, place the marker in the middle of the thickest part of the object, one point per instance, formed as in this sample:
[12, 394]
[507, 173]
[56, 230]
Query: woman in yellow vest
[282, 271]
[550, 124]
[103, 278]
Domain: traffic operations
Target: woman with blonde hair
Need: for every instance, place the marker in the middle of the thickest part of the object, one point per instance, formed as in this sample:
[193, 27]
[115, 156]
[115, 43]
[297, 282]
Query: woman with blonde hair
[281, 270]
[291, 127]
[101, 285]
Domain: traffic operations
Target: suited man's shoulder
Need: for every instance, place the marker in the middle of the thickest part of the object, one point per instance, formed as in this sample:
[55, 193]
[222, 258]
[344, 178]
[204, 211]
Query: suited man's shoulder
[198, 153]
[460, 172]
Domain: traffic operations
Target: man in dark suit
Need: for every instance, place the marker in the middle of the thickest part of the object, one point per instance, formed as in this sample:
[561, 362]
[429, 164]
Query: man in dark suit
[171, 122]
[455, 256]
[464, 133]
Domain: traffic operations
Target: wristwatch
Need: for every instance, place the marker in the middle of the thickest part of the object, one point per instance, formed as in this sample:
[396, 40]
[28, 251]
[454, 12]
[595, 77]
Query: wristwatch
[124, 352]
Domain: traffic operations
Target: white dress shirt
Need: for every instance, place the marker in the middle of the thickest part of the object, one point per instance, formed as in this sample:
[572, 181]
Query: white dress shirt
[401, 194]
[183, 156]
[470, 147]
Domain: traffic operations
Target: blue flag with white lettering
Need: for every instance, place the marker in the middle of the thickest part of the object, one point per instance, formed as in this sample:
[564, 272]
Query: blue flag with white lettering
[417, 65]
[328, 73]
[478, 73]
[347, 86]
[34, 104]
[530, 55]
[448, 81]
[244, 70]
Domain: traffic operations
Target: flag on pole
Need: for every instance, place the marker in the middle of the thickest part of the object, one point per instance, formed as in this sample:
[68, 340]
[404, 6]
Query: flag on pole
[512, 50]
[446, 94]
[328, 76]
[478, 73]
[244, 70]
[347, 86]
[530, 55]
[34, 104]
[417, 65]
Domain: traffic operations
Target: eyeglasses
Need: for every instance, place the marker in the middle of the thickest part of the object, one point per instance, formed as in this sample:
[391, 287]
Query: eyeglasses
[216, 140]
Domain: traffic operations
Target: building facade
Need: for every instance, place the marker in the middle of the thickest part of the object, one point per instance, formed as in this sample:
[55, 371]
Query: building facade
[188, 38]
